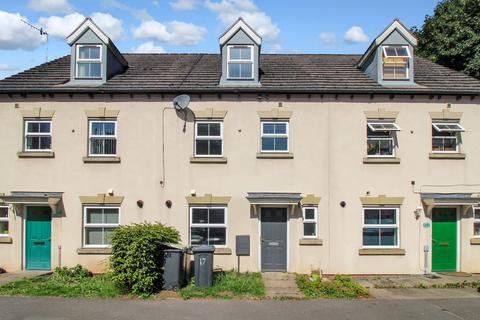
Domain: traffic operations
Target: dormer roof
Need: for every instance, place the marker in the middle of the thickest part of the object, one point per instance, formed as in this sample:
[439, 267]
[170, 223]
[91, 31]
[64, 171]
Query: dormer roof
[88, 24]
[396, 25]
[240, 24]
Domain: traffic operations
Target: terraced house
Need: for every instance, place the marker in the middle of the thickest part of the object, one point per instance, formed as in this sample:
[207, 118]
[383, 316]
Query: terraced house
[355, 164]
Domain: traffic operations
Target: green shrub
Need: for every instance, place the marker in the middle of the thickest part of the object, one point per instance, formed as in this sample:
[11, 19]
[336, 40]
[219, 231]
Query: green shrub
[340, 287]
[77, 272]
[137, 256]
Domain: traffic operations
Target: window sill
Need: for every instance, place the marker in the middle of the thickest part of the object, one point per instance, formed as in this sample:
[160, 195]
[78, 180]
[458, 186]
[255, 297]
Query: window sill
[222, 251]
[94, 250]
[208, 160]
[381, 160]
[33, 154]
[475, 241]
[101, 159]
[455, 156]
[311, 242]
[7, 240]
[274, 155]
[381, 252]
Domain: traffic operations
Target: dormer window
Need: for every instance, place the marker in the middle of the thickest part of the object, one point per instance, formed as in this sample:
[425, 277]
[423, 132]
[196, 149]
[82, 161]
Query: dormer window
[89, 61]
[240, 62]
[395, 62]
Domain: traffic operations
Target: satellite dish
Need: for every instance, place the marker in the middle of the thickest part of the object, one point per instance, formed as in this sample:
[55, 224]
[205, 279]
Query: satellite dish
[181, 102]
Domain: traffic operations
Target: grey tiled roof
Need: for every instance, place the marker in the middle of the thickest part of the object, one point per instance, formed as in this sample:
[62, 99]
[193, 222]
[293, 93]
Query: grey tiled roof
[321, 73]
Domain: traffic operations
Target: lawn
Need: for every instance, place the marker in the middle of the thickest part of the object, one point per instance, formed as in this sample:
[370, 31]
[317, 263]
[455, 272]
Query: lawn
[68, 283]
[312, 286]
[228, 285]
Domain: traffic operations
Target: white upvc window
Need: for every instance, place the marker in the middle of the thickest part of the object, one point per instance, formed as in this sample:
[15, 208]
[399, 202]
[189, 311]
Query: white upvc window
[3, 221]
[209, 139]
[208, 226]
[102, 138]
[89, 61]
[380, 139]
[310, 221]
[395, 62]
[445, 137]
[476, 223]
[274, 136]
[240, 62]
[380, 227]
[38, 135]
[99, 222]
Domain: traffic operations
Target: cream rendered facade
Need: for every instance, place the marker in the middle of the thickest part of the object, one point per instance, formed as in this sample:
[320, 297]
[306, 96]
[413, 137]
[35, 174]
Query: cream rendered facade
[327, 139]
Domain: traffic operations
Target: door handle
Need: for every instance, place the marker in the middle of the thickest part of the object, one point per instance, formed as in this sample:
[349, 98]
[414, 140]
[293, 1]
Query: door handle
[443, 244]
[39, 242]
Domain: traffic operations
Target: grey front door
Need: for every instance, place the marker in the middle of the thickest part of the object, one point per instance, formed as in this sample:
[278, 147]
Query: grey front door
[273, 239]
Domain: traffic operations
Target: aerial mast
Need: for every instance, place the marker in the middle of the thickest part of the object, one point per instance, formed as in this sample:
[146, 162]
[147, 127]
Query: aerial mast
[42, 31]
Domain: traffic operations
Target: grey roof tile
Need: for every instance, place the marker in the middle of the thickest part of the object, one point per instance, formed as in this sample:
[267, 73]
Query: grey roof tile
[279, 72]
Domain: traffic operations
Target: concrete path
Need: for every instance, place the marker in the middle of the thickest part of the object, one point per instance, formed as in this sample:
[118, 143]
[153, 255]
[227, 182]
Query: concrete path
[19, 275]
[73, 309]
[414, 281]
[280, 285]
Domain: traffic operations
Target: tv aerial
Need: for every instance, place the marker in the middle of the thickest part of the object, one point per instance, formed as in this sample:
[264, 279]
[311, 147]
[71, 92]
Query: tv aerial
[42, 31]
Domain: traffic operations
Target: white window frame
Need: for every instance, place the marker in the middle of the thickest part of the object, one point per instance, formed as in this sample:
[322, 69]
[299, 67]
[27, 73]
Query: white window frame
[407, 66]
[310, 221]
[251, 60]
[456, 136]
[275, 135]
[372, 125]
[100, 136]
[391, 138]
[209, 225]
[438, 129]
[98, 225]
[37, 134]
[475, 220]
[208, 138]
[376, 226]
[405, 47]
[78, 60]
[5, 219]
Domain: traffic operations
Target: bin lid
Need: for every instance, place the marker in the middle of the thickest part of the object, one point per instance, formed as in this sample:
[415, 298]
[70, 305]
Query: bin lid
[203, 248]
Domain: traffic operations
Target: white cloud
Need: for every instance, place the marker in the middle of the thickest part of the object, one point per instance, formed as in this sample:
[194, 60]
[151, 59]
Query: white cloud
[109, 24]
[355, 35]
[14, 34]
[155, 3]
[182, 5]
[230, 10]
[173, 32]
[50, 6]
[61, 27]
[149, 47]
[6, 67]
[327, 37]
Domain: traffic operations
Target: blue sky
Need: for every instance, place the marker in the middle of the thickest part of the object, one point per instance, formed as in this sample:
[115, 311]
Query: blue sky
[301, 26]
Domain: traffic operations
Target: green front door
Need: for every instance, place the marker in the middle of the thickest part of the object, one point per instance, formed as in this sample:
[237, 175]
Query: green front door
[38, 232]
[444, 239]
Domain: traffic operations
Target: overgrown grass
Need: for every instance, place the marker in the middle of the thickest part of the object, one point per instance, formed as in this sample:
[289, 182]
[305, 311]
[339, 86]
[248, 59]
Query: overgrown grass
[65, 282]
[228, 285]
[344, 287]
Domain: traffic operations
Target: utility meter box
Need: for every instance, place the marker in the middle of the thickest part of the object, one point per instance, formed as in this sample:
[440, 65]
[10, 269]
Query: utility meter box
[242, 247]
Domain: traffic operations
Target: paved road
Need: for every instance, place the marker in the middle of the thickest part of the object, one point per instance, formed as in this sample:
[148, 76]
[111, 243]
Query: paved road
[56, 309]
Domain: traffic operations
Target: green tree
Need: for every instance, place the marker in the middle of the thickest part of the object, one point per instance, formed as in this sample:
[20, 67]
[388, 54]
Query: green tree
[451, 36]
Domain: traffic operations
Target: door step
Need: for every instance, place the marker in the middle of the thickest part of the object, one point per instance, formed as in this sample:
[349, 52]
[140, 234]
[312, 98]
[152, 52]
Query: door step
[281, 285]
